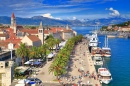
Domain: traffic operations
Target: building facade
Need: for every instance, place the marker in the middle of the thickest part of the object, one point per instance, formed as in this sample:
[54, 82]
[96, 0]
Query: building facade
[6, 73]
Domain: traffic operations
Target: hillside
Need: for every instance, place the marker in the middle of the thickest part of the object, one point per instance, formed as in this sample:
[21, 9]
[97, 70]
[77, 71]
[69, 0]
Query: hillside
[48, 21]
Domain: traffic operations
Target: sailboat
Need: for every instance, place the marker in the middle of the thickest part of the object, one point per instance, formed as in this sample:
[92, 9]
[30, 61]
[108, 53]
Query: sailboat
[106, 51]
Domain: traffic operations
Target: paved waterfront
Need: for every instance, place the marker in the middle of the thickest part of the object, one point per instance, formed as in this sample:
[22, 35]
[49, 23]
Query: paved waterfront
[80, 60]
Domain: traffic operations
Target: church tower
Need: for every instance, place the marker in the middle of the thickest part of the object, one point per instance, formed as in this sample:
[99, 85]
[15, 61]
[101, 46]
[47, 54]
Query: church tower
[67, 27]
[13, 23]
[41, 33]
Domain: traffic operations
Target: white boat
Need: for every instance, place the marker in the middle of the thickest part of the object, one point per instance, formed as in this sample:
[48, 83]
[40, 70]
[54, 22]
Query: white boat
[104, 75]
[93, 40]
[97, 59]
[106, 51]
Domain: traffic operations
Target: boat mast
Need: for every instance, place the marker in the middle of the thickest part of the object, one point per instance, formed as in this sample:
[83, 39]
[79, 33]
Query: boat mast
[105, 42]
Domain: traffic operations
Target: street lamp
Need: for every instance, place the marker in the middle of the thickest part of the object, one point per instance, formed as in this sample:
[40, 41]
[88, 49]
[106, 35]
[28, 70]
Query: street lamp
[11, 47]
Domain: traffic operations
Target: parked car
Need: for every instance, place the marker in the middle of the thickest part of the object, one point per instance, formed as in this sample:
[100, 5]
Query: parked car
[34, 80]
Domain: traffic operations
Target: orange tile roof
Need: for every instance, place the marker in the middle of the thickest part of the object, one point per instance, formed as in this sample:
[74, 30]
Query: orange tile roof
[4, 44]
[16, 46]
[56, 29]
[33, 38]
[30, 31]
[66, 31]
[14, 41]
[46, 31]
[3, 35]
[11, 33]
[19, 26]
[13, 15]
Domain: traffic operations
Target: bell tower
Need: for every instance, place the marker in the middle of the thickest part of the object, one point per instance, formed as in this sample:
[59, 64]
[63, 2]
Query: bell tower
[41, 33]
[13, 23]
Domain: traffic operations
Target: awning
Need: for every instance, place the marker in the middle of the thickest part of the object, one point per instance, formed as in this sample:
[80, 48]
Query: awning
[28, 62]
[50, 55]
[37, 63]
[20, 85]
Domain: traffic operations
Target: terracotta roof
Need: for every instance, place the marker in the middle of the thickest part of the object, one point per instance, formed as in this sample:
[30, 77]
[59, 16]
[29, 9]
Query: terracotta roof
[46, 31]
[56, 29]
[11, 33]
[66, 31]
[19, 26]
[14, 41]
[4, 44]
[33, 38]
[30, 31]
[16, 46]
[13, 15]
[3, 35]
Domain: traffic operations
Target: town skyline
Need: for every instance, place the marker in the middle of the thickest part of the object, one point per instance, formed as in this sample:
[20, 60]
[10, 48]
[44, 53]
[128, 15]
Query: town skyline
[66, 9]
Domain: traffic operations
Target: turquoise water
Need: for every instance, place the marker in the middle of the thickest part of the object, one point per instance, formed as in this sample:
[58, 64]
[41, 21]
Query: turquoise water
[119, 63]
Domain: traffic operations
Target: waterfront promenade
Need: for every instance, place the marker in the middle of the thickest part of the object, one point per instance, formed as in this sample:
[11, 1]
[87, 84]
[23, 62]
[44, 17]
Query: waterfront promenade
[80, 69]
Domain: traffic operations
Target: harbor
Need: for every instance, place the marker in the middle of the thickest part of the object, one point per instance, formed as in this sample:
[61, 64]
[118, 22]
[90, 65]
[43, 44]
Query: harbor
[117, 70]
[81, 69]
[114, 34]
[118, 62]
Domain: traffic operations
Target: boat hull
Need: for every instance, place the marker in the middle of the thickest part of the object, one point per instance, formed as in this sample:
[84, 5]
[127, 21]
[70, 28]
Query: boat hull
[106, 81]
[107, 55]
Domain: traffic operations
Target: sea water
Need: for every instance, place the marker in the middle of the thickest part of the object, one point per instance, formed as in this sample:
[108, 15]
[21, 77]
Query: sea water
[119, 62]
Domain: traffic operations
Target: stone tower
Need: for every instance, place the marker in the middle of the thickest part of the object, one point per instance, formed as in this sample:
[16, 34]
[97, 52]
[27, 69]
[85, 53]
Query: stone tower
[67, 27]
[13, 23]
[41, 33]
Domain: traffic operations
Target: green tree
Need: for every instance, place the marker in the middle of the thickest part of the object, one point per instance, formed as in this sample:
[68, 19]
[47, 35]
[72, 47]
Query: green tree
[34, 52]
[22, 52]
[57, 42]
[43, 50]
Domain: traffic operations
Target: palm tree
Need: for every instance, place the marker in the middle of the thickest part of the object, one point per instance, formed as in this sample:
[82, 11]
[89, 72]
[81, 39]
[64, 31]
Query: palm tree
[51, 43]
[43, 50]
[34, 52]
[22, 52]
[57, 41]
[57, 69]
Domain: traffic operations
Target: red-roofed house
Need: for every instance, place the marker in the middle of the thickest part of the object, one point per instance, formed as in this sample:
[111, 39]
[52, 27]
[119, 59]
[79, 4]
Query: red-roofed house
[3, 36]
[31, 40]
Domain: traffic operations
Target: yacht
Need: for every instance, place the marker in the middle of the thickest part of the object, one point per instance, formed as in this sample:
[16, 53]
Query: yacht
[106, 51]
[93, 40]
[104, 75]
[97, 59]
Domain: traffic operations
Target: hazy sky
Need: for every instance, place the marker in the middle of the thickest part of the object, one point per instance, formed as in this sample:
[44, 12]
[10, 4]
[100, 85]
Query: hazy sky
[66, 9]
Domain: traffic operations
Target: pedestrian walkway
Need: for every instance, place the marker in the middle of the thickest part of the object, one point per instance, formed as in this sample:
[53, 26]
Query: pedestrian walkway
[80, 68]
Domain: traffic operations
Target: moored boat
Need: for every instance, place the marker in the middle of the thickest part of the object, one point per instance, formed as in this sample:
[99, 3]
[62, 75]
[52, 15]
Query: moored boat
[106, 51]
[93, 40]
[104, 75]
[97, 59]
[95, 51]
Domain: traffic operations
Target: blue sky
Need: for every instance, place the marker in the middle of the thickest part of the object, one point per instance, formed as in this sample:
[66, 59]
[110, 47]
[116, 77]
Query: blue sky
[66, 9]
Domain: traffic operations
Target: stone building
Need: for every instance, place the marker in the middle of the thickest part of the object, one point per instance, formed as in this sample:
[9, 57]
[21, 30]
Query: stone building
[6, 73]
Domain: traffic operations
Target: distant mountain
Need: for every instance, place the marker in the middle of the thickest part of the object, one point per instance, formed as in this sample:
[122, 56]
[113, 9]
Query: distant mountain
[48, 21]
[111, 20]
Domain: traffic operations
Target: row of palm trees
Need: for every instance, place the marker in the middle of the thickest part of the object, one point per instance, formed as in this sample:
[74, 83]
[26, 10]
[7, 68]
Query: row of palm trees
[37, 52]
[58, 66]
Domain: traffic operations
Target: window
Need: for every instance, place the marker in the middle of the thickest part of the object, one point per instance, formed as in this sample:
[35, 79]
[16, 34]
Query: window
[40, 31]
